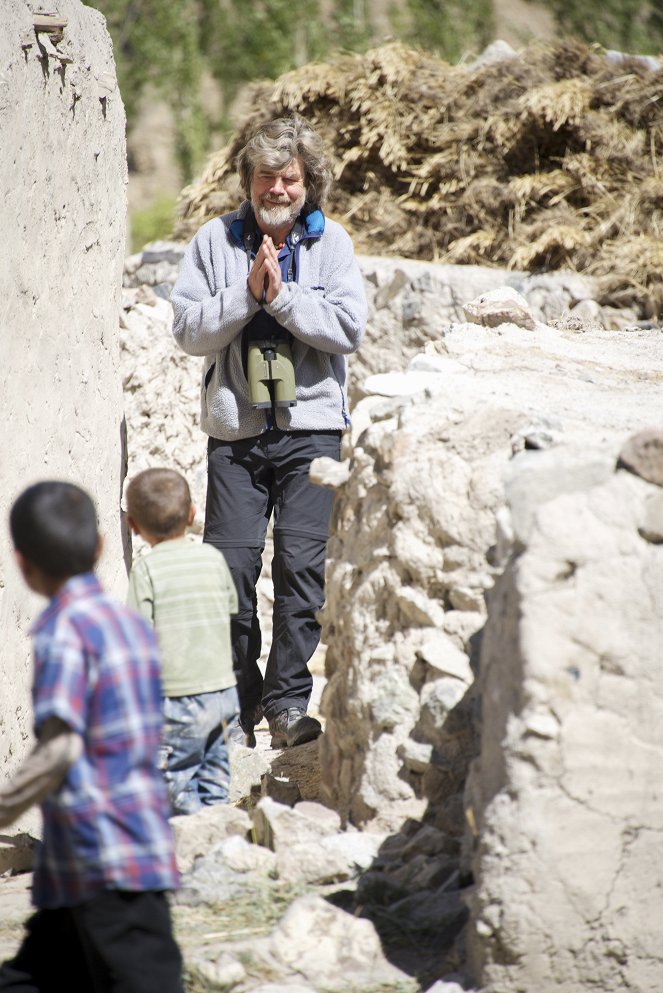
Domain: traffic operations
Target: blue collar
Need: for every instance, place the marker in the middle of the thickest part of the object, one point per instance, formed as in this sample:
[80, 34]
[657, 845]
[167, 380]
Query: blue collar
[311, 225]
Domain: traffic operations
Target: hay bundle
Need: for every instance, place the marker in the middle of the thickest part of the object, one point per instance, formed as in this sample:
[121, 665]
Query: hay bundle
[549, 159]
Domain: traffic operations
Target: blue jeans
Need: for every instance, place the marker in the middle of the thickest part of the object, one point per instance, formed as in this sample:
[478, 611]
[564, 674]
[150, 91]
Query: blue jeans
[194, 750]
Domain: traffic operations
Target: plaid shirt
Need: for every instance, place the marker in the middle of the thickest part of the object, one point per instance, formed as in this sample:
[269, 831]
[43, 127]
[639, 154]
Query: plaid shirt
[97, 669]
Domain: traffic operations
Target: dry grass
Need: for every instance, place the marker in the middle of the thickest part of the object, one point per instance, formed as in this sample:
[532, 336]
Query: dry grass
[551, 159]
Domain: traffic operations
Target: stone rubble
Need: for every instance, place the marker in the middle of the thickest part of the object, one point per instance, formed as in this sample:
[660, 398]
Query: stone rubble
[463, 435]
[329, 950]
[302, 845]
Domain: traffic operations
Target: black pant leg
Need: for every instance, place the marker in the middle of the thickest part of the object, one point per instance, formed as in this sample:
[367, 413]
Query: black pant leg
[245, 565]
[128, 943]
[50, 959]
[298, 571]
[301, 524]
[238, 508]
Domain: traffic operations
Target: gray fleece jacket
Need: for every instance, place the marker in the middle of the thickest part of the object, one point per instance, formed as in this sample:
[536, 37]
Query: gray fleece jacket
[325, 311]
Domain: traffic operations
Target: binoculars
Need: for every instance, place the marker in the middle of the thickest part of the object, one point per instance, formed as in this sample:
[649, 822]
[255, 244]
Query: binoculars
[271, 374]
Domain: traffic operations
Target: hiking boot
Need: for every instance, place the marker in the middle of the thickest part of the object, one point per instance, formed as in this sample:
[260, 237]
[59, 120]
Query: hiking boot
[293, 727]
[241, 731]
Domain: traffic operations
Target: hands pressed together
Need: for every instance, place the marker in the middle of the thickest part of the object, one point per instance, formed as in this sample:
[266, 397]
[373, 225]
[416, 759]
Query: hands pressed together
[265, 276]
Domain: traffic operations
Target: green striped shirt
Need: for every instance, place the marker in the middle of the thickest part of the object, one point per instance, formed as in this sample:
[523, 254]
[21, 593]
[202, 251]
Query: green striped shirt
[185, 589]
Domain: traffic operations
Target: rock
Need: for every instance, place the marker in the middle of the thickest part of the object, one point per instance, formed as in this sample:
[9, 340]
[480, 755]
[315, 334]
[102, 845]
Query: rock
[443, 656]
[536, 436]
[497, 51]
[285, 986]
[280, 788]
[643, 455]
[651, 526]
[392, 702]
[311, 863]
[419, 609]
[336, 858]
[224, 972]
[401, 384]
[241, 856]
[501, 306]
[648, 61]
[329, 472]
[17, 853]
[301, 764]
[437, 699]
[448, 985]
[327, 946]
[329, 820]
[195, 834]
[416, 755]
[227, 870]
[155, 265]
[278, 827]
[435, 911]
[426, 840]
[588, 313]
[209, 882]
[247, 767]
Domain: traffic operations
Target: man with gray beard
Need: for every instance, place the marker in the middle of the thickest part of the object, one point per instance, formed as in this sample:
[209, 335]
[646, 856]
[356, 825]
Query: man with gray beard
[271, 296]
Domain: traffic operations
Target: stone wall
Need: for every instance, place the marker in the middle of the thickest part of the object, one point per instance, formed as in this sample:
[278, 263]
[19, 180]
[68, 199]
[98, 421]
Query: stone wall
[62, 155]
[565, 795]
[449, 417]
[414, 545]
[554, 601]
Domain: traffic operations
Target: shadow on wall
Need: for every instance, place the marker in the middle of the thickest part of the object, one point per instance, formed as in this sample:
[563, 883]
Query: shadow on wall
[125, 531]
[415, 891]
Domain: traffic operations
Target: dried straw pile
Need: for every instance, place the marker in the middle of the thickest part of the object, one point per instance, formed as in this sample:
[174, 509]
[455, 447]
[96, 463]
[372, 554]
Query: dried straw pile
[551, 159]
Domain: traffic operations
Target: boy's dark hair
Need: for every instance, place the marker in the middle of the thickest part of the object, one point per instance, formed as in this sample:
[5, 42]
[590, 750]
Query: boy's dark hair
[159, 501]
[54, 525]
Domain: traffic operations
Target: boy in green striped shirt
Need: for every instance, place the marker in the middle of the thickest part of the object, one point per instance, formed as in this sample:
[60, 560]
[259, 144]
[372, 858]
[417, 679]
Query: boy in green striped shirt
[185, 589]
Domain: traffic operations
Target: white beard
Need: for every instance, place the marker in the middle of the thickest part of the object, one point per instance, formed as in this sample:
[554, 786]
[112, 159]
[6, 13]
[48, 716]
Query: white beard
[278, 215]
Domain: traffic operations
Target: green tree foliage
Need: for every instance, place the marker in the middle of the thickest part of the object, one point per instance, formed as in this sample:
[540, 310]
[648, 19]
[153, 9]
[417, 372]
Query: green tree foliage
[157, 43]
[452, 28]
[351, 25]
[243, 41]
[627, 25]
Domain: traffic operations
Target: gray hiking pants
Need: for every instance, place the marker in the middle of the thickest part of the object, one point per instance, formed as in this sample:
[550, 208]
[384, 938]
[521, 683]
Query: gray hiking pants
[247, 482]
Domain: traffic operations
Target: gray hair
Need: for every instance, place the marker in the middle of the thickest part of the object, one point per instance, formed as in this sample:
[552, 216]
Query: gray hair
[275, 143]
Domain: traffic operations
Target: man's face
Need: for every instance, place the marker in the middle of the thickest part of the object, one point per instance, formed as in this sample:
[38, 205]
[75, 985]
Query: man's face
[277, 196]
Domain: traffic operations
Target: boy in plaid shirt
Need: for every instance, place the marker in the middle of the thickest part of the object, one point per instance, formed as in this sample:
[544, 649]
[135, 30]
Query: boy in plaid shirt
[106, 859]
